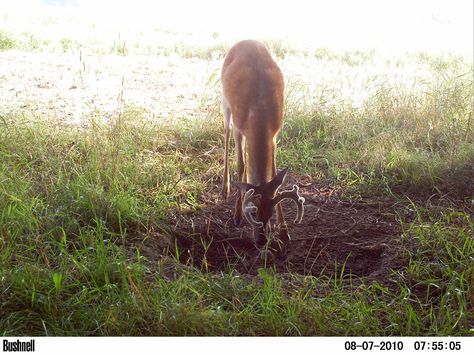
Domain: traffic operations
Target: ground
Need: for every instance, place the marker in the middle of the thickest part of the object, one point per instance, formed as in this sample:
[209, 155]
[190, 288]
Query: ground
[359, 236]
[128, 148]
[70, 87]
[337, 234]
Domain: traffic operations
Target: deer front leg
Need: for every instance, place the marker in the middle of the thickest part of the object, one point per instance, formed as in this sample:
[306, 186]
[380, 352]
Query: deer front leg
[226, 178]
[284, 235]
[239, 146]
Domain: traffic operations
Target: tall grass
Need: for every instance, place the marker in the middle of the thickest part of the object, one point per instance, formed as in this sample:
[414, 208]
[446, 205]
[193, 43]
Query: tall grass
[6, 41]
[72, 199]
[413, 134]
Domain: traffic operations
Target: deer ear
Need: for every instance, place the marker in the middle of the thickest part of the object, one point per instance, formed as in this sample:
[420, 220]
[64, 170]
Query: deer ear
[278, 179]
[242, 186]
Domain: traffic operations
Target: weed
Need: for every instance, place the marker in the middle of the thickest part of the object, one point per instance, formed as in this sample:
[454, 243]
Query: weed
[6, 41]
[75, 201]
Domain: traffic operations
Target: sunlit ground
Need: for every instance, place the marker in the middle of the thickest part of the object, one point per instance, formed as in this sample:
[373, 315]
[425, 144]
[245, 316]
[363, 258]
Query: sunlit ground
[394, 26]
[331, 53]
[117, 228]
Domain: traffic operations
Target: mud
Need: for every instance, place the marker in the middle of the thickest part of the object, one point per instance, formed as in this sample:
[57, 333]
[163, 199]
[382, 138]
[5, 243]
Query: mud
[336, 235]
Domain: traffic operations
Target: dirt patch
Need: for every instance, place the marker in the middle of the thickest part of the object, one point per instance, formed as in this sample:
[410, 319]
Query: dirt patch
[72, 87]
[336, 234]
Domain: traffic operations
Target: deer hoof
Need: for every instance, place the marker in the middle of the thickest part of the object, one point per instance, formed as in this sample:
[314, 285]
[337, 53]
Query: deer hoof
[237, 221]
[260, 241]
[284, 236]
[267, 256]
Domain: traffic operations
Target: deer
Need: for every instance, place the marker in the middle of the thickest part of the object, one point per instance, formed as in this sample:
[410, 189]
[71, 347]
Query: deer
[252, 100]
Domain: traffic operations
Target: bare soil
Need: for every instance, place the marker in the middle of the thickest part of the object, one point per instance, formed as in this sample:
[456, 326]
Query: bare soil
[360, 237]
[72, 87]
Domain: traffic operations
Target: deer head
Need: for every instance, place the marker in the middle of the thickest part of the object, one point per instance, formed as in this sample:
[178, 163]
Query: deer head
[259, 201]
[252, 99]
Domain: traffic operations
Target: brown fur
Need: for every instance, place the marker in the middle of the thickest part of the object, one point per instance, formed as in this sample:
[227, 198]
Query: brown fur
[253, 100]
[252, 83]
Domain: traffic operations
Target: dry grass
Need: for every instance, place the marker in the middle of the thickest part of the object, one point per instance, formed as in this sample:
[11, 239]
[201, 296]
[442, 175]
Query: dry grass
[74, 196]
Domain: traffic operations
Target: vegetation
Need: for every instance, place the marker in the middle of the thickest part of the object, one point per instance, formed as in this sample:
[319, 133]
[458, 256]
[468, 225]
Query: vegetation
[6, 41]
[72, 199]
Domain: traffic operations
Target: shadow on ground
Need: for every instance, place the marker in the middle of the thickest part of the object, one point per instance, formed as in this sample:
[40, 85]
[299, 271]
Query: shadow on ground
[360, 237]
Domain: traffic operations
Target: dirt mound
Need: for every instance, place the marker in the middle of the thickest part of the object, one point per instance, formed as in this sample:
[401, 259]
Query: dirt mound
[360, 237]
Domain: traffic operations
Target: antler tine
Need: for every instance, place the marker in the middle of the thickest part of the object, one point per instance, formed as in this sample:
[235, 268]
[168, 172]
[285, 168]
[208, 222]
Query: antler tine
[292, 194]
[249, 208]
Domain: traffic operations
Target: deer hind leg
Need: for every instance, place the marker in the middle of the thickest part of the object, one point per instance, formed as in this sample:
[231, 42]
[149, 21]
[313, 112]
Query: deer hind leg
[241, 176]
[226, 178]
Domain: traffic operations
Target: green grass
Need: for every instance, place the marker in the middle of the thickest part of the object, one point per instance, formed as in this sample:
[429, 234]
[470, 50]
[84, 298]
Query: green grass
[71, 198]
[400, 137]
[6, 41]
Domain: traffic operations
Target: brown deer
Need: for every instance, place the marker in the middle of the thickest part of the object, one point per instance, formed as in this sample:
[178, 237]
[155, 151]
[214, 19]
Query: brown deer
[252, 100]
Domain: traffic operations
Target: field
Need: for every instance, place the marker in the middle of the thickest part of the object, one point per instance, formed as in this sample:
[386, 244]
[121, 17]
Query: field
[111, 223]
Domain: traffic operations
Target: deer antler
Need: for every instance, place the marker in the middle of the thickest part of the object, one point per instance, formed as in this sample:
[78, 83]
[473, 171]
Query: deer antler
[248, 208]
[292, 194]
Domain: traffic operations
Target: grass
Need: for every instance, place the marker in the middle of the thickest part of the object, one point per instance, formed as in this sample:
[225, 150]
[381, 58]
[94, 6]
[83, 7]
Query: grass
[399, 138]
[72, 198]
[6, 41]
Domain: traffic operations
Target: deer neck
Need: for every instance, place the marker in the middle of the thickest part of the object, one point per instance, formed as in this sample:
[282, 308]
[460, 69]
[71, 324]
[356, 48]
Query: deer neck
[260, 157]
